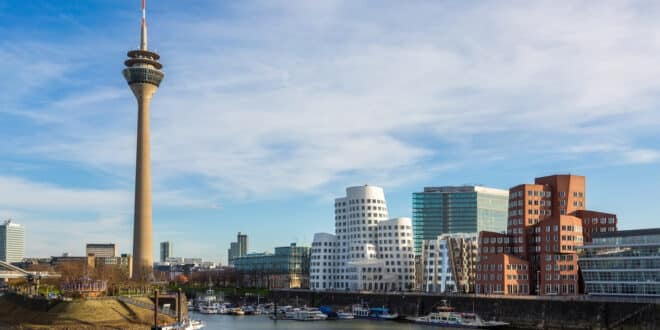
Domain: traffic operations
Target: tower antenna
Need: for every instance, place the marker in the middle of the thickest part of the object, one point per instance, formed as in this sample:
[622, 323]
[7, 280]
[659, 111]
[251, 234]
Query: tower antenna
[143, 35]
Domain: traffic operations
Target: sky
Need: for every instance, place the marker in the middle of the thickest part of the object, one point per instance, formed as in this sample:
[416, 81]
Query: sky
[270, 109]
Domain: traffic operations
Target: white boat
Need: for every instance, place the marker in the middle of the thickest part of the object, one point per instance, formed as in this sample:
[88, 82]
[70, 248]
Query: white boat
[362, 311]
[208, 303]
[208, 309]
[305, 314]
[186, 325]
[345, 316]
[445, 316]
[224, 309]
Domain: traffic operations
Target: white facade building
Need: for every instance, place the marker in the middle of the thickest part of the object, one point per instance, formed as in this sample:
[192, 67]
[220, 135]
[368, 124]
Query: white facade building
[449, 263]
[101, 250]
[12, 242]
[368, 251]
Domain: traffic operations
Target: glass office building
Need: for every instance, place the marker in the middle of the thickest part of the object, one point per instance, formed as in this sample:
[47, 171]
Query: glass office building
[464, 209]
[623, 263]
[287, 268]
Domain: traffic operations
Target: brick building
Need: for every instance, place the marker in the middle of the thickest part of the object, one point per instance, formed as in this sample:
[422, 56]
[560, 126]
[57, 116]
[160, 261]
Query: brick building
[547, 221]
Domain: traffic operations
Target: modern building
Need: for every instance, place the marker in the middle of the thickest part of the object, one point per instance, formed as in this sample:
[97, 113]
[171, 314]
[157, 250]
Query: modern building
[462, 209]
[238, 248]
[545, 228]
[449, 263]
[242, 241]
[166, 250]
[12, 242]
[232, 253]
[143, 74]
[368, 251]
[101, 250]
[287, 268]
[623, 263]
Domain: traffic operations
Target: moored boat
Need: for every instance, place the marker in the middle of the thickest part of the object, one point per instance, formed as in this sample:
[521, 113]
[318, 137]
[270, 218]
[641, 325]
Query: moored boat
[362, 311]
[211, 308]
[445, 316]
[345, 315]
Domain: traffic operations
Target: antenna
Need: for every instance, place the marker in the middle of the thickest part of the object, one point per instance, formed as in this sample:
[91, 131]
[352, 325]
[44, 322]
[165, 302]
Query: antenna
[143, 35]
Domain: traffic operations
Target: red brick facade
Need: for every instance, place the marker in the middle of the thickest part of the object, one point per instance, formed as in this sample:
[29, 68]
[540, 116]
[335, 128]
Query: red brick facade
[547, 221]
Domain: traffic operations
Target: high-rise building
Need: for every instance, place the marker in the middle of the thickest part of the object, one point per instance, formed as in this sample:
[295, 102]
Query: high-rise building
[623, 263]
[101, 250]
[232, 253]
[367, 251]
[242, 241]
[463, 209]
[547, 224]
[143, 74]
[449, 263]
[166, 250]
[238, 248]
[12, 242]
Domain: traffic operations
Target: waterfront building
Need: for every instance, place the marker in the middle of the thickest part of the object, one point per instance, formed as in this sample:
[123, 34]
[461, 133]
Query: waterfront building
[462, 209]
[143, 74]
[368, 251]
[238, 248]
[596, 222]
[101, 250]
[12, 242]
[242, 241]
[166, 250]
[232, 253]
[449, 263]
[287, 268]
[623, 263]
[547, 223]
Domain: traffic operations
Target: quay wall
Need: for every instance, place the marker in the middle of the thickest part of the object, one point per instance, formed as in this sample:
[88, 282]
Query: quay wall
[525, 313]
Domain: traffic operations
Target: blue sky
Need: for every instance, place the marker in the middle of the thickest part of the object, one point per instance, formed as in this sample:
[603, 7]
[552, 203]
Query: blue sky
[269, 109]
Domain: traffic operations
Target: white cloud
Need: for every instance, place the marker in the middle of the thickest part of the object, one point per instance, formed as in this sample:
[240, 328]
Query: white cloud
[18, 193]
[293, 97]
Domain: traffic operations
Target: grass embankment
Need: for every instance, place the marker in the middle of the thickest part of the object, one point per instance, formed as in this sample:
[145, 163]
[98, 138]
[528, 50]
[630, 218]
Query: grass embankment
[78, 314]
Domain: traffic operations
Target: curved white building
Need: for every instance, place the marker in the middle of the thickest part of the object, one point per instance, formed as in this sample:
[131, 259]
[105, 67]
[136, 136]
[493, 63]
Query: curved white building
[368, 251]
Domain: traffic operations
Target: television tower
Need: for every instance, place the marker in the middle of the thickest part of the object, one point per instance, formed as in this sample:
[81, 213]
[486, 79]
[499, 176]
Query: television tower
[143, 75]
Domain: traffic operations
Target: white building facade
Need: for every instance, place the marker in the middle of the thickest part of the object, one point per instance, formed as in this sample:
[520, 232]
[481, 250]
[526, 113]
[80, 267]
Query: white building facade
[449, 263]
[367, 252]
[12, 242]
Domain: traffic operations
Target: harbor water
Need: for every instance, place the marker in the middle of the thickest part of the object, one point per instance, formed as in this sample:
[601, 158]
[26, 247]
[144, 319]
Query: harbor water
[251, 322]
[259, 322]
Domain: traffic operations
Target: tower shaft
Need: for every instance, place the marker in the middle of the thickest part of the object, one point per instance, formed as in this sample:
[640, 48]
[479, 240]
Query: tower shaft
[142, 226]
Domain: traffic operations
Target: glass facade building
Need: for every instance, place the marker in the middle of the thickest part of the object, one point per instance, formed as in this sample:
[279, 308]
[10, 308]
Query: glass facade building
[623, 263]
[287, 268]
[464, 209]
